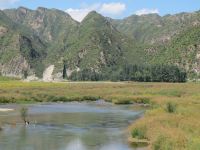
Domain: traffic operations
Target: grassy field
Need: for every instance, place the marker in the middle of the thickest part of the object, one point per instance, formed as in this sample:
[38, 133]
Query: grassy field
[171, 123]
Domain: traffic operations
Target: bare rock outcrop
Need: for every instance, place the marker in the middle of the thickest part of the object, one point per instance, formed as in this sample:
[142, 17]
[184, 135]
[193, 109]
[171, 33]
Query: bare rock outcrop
[48, 74]
[15, 67]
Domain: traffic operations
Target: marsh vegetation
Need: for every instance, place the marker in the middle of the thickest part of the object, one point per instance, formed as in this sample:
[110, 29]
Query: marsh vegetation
[170, 122]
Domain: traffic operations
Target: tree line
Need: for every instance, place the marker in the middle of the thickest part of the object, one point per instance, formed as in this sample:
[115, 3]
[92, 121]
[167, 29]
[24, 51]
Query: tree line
[141, 73]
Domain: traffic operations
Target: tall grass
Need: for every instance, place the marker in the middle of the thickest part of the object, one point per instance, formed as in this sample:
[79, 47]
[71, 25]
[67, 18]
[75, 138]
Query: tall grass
[172, 122]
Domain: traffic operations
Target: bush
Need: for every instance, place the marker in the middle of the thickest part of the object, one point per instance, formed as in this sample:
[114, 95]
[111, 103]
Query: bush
[139, 133]
[142, 100]
[4, 100]
[57, 99]
[122, 102]
[90, 98]
[171, 107]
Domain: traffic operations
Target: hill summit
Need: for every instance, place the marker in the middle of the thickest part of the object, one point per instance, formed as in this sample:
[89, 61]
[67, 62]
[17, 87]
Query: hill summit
[48, 43]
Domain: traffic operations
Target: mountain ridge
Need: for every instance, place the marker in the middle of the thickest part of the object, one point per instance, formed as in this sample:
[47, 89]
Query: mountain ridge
[51, 37]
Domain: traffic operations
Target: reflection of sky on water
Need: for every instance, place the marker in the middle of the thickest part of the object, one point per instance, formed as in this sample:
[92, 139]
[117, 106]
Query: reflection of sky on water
[75, 145]
[81, 107]
[69, 126]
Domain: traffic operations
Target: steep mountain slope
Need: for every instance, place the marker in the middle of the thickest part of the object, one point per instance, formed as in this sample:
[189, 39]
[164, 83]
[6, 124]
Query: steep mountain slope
[21, 51]
[154, 29]
[94, 44]
[172, 39]
[99, 45]
[183, 50]
[47, 42]
[56, 28]
[49, 24]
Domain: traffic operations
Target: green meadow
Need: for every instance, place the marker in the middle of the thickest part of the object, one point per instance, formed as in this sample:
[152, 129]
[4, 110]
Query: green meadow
[170, 122]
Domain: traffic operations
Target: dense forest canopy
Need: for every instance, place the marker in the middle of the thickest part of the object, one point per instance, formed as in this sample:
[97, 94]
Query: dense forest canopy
[142, 73]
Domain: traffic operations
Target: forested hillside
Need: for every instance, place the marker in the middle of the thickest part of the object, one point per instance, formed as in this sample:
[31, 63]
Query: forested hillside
[48, 43]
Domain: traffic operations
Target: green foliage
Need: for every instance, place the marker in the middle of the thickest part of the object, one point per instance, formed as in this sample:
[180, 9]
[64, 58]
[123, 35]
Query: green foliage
[69, 99]
[5, 100]
[64, 72]
[100, 47]
[173, 93]
[123, 102]
[139, 133]
[3, 78]
[87, 75]
[171, 107]
[142, 100]
[182, 50]
[156, 73]
[194, 144]
[151, 28]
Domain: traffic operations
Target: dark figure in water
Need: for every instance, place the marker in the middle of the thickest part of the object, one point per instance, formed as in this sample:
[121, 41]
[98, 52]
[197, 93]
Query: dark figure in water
[24, 114]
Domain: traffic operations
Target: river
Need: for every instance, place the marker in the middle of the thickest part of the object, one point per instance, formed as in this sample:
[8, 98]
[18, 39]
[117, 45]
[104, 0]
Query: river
[68, 126]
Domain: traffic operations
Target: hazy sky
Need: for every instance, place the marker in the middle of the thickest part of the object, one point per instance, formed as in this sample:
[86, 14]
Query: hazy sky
[78, 9]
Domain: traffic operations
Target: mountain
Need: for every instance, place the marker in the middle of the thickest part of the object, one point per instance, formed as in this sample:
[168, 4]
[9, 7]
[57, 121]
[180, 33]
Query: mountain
[49, 24]
[94, 43]
[171, 39]
[54, 27]
[183, 50]
[154, 29]
[45, 42]
[20, 51]
[99, 45]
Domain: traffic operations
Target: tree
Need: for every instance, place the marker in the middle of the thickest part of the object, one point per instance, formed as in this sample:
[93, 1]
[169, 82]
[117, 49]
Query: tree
[25, 72]
[64, 72]
[139, 72]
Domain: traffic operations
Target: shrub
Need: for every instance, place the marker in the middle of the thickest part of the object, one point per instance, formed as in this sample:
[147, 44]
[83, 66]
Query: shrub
[142, 100]
[171, 107]
[4, 100]
[61, 99]
[122, 102]
[90, 98]
[139, 132]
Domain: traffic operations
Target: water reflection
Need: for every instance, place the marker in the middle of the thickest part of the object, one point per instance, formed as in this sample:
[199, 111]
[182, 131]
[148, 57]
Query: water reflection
[70, 126]
[75, 145]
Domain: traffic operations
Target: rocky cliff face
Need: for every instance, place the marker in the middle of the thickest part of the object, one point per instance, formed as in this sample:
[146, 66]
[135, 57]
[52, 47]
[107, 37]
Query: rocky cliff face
[21, 51]
[16, 67]
[32, 41]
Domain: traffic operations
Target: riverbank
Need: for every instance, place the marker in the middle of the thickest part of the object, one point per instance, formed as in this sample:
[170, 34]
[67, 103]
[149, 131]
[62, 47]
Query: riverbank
[172, 122]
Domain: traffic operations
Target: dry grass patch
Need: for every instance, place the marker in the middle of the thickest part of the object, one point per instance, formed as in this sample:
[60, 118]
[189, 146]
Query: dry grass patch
[171, 123]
